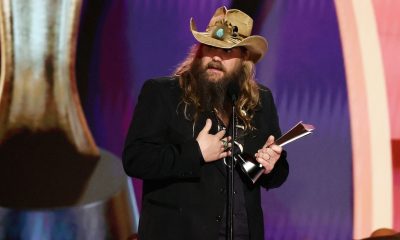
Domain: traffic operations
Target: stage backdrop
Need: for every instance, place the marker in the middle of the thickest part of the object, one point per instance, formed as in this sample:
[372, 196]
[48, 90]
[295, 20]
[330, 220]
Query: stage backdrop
[331, 63]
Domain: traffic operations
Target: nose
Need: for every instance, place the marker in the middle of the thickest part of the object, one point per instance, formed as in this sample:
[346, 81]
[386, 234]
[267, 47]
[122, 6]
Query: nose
[216, 57]
[218, 54]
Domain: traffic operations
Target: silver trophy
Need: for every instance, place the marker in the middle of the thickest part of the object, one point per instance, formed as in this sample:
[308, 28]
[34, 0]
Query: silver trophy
[254, 169]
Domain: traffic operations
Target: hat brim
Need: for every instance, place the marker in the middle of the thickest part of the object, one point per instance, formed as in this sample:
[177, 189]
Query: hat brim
[256, 45]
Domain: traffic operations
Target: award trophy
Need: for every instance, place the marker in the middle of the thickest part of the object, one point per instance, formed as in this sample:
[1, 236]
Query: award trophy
[54, 181]
[254, 169]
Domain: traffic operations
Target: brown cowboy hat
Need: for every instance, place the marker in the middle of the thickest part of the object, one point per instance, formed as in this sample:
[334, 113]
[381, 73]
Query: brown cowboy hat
[231, 28]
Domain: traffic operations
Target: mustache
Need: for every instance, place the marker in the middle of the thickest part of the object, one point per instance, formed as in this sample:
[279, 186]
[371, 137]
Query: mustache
[216, 65]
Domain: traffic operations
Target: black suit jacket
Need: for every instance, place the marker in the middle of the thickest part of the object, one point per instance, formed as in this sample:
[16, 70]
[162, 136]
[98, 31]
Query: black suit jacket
[183, 197]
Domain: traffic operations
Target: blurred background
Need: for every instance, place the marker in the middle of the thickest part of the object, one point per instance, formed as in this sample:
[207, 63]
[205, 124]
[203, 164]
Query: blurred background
[333, 64]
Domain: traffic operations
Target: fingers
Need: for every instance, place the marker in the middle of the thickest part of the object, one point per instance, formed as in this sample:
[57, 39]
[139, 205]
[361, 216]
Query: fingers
[226, 139]
[213, 147]
[269, 144]
[276, 148]
[272, 150]
[267, 163]
[220, 134]
[225, 154]
[269, 154]
[207, 126]
[270, 141]
[264, 155]
[226, 143]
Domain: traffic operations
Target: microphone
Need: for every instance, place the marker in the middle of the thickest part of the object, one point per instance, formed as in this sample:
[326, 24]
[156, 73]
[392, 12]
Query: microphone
[233, 90]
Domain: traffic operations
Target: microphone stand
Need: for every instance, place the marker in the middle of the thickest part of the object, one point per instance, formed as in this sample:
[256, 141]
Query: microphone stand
[231, 174]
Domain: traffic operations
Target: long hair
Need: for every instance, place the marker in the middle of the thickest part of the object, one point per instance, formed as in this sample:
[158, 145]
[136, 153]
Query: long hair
[249, 97]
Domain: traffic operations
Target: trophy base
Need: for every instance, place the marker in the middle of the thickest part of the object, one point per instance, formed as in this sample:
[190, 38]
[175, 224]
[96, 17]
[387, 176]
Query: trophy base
[106, 209]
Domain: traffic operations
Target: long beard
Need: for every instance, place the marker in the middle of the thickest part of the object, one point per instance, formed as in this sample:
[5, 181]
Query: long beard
[212, 94]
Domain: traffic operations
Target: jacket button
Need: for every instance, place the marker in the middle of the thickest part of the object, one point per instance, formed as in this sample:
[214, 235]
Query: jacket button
[218, 218]
[222, 190]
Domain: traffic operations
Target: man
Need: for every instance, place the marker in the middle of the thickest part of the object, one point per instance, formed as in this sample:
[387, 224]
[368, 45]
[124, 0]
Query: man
[178, 139]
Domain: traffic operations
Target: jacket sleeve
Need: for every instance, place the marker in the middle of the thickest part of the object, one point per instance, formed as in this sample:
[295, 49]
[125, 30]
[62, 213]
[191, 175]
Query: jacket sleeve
[279, 173]
[147, 152]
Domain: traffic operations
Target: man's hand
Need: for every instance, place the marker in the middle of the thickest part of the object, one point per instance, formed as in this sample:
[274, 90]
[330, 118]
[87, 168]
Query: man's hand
[269, 154]
[213, 146]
